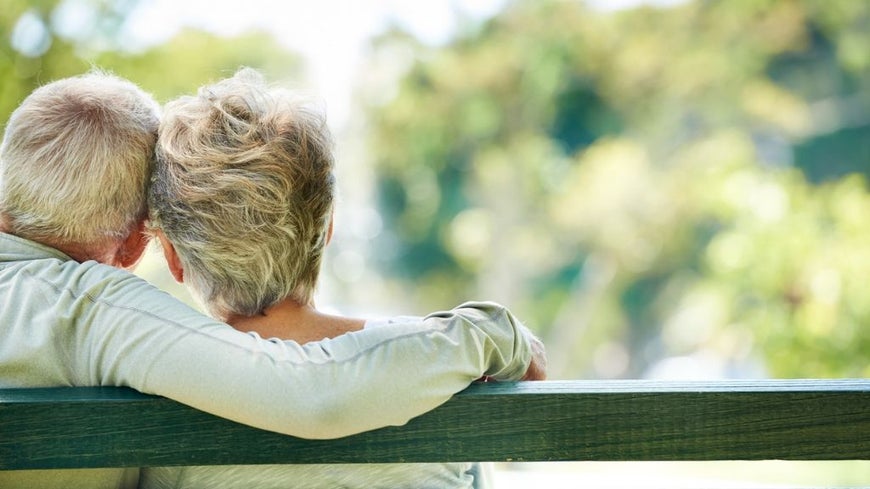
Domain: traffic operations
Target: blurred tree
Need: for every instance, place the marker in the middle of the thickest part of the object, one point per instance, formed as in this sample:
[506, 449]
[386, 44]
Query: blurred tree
[645, 186]
[49, 39]
[29, 51]
[194, 58]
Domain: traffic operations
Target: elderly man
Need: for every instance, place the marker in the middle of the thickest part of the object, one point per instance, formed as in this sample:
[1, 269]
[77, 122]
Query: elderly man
[74, 166]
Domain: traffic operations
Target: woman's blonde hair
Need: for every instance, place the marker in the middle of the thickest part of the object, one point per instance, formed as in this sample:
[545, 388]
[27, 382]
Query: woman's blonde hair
[76, 158]
[244, 190]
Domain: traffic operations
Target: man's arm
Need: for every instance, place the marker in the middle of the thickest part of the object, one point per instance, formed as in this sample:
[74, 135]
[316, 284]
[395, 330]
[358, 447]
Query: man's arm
[359, 381]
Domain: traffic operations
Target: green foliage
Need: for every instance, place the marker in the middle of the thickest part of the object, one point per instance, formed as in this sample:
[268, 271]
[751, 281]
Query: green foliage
[192, 58]
[642, 185]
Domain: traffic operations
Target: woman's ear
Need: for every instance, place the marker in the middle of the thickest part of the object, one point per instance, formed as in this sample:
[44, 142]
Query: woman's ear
[329, 229]
[171, 256]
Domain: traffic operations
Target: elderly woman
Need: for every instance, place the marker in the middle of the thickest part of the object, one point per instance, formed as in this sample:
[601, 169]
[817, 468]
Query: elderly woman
[242, 202]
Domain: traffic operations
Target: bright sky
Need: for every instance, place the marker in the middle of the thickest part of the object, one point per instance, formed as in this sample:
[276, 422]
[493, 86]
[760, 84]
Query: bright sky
[330, 34]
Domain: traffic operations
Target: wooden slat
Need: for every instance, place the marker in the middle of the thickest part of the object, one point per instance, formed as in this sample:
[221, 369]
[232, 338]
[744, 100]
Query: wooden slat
[531, 421]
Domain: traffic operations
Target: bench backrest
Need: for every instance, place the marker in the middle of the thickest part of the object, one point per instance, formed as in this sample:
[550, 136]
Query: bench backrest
[526, 421]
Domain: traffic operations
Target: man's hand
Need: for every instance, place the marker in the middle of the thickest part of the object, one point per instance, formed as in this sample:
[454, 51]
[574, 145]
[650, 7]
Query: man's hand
[538, 366]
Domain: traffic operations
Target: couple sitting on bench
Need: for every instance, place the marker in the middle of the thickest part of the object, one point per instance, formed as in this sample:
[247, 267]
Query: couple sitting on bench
[241, 199]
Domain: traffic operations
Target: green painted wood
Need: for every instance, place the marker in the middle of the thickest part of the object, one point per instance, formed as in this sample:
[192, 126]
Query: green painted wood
[527, 421]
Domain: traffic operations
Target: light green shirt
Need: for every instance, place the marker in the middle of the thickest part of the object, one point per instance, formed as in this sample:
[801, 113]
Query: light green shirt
[65, 323]
[313, 476]
[318, 476]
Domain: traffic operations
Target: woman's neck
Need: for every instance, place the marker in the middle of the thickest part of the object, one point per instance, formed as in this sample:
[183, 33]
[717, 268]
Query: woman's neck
[290, 320]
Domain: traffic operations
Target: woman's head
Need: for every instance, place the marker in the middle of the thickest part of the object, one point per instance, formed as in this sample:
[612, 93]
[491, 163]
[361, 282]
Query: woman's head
[244, 191]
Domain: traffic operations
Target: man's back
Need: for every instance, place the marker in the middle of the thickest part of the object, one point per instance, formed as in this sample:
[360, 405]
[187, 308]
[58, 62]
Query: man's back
[36, 282]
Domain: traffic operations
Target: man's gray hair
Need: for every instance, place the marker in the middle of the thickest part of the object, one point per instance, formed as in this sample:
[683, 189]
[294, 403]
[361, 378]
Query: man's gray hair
[244, 190]
[75, 160]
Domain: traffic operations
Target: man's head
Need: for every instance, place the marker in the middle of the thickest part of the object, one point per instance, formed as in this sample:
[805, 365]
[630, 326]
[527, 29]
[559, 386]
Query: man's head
[243, 190]
[75, 162]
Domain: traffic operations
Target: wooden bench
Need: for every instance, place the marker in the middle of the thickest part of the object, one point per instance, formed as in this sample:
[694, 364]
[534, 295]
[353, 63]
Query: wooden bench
[527, 421]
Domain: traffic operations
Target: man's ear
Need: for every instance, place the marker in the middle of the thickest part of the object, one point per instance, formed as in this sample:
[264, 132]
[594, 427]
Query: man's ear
[172, 259]
[131, 250]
